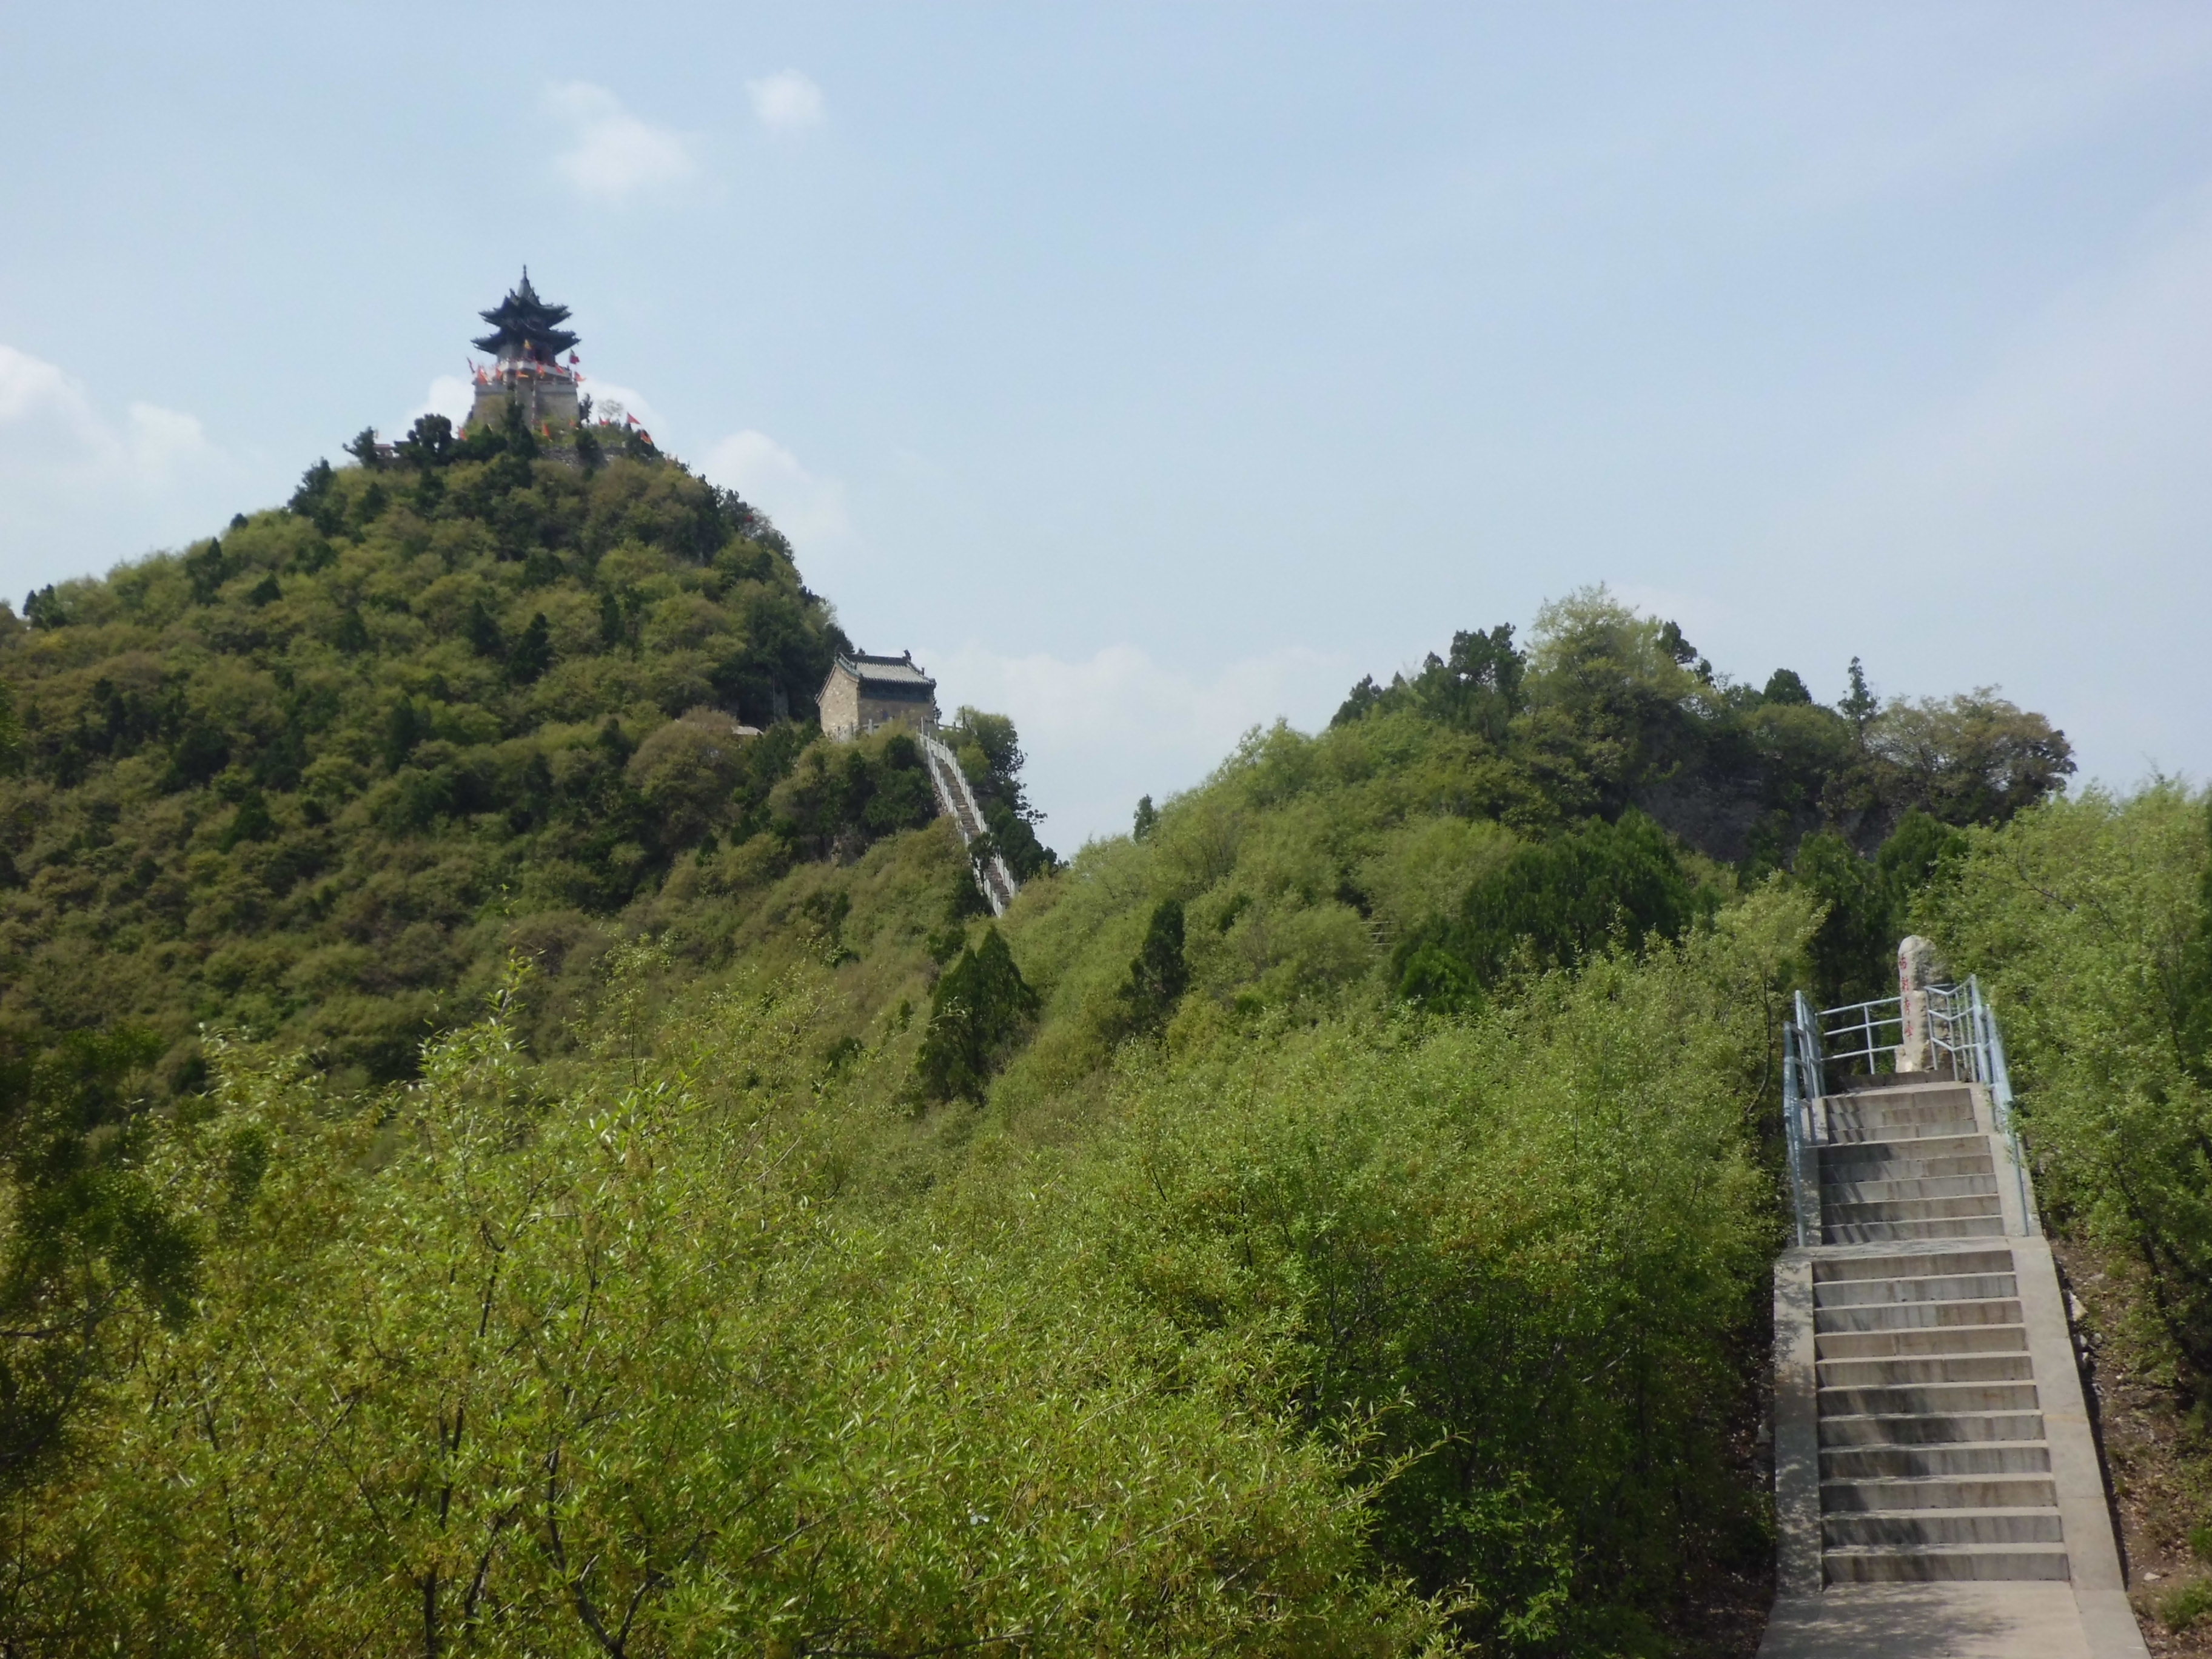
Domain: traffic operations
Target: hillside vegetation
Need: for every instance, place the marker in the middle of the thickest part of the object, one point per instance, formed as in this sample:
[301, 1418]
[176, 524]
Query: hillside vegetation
[499, 1161]
[2090, 923]
[315, 777]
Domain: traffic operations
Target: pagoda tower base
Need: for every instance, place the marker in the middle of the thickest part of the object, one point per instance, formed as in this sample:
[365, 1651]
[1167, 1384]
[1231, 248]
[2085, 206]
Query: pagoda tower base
[547, 397]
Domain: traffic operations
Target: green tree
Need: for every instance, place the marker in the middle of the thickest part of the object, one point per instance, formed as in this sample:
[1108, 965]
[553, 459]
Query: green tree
[1159, 975]
[483, 630]
[533, 653]
[2082, 919]
[1552, 903]
[1147, 819]
[89, 1234]
[1860, 705]
[981, 1007]
[1783, 686]
[1975, 758]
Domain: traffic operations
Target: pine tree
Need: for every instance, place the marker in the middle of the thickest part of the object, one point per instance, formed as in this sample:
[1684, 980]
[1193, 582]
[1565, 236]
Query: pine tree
[981, 1005]
[485, 637]
[533, 652]
[1159, 975]
[1862, 705]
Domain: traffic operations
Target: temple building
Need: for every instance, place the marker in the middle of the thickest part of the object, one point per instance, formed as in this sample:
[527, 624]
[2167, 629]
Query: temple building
[525, 343]
[864, 693]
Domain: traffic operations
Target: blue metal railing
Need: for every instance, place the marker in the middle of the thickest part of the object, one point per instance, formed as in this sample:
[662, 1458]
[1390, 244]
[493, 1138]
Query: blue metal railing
[1802, 1082]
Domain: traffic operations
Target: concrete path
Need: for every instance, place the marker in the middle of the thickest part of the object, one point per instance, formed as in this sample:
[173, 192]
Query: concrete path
[1936, 1484]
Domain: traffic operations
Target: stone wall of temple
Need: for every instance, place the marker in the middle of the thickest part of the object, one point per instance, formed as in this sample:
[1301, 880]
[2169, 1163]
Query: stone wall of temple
[547, 400]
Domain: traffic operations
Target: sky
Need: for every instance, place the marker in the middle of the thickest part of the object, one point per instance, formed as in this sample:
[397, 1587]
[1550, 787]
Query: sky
[1153, 371]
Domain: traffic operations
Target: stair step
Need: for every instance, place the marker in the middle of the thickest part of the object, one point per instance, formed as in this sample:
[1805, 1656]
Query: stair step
[1927, 1093]
[1883, 1232]
[1941, 1339]
[1833, 1210]
[1929, 1399]
[1934, 1462]
[1855, 1128]
[1894, 1371]
[1913, 1264]
[1865, 1565]
[1929, 1528]
[1847, 1150]
[1935, 1287]
[2019, 1492]
[1929, 1428]
[1876, 1192]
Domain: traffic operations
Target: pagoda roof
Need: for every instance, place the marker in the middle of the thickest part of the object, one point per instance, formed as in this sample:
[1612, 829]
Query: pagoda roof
[524, 325]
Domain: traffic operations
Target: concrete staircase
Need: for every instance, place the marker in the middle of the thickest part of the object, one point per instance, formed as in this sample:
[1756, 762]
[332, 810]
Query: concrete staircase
[958, 802]
[1906, 1163]
[1933, 1462]
[1937, 1486]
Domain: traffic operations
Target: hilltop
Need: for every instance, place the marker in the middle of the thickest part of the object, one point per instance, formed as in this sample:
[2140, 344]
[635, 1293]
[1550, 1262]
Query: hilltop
[314, 779]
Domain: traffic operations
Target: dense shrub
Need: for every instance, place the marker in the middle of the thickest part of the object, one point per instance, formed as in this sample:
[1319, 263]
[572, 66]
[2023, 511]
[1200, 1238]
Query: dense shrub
[1551, 905]
[2084, 919]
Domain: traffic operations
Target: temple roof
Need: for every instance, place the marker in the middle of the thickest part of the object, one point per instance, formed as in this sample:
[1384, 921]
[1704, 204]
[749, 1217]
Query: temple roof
[887, 671]
[524, 325]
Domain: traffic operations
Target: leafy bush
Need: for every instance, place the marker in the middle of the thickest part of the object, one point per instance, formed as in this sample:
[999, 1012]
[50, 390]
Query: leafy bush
[2084, 918]
[1552, 904]
[2186, 1606]
[607, 1371]
[1522, 1263]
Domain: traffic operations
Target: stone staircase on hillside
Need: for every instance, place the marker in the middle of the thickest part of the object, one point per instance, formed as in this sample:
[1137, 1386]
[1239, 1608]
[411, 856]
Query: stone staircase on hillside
[1932, 1461]
[1937, 1486]
[958, 802]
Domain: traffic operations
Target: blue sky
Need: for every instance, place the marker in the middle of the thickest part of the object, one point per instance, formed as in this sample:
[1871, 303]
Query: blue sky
[1152, 371]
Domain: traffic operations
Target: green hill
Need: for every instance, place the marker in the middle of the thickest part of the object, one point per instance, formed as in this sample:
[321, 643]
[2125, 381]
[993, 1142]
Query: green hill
[500, 1161]
[315, 778]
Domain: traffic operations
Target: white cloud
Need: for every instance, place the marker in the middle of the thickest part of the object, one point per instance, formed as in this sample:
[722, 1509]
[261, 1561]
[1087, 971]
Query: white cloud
[1103, 731]
[805, 507]
[80, 486]
[52, 428]
[610, 402]
[613, 154]
[449, 395]
[785, 101]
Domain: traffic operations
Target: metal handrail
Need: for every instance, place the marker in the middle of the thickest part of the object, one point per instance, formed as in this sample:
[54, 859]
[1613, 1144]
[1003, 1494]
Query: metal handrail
[1964, 1038]
[1870, 1025]
[1801, 1085]
[1988, 1040]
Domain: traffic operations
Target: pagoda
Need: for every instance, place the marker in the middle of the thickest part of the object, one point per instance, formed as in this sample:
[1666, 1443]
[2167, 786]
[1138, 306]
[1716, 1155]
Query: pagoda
[525, 343]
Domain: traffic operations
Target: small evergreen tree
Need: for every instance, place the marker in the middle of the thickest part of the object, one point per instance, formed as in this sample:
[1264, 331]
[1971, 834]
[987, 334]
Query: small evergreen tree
[533, 653]
[1785, 686]
[1159, 975]
[483, 634]
[1559, 900]
[1860, 705]
[403, 728]
[980, 1008]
